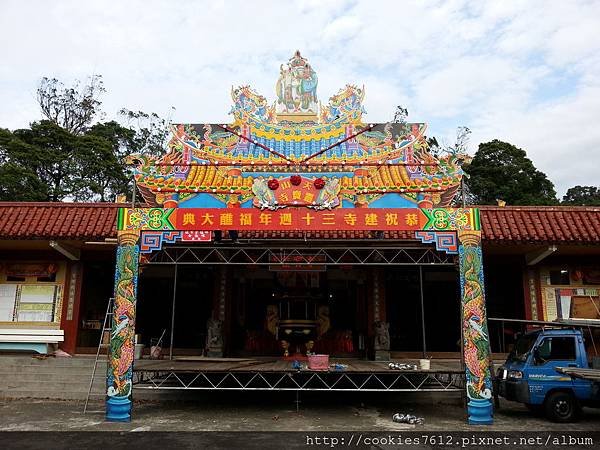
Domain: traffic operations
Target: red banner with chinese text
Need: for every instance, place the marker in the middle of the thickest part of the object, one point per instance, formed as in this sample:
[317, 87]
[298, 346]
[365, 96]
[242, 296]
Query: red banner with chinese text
[299, 219]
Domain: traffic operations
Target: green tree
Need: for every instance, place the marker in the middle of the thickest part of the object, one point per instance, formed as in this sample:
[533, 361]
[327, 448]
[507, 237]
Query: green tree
[502, 171]
[105, 146]
[152, 132]
[69, 157]
[48, 151]
[16, 181]
[583, 196]
[46, 162]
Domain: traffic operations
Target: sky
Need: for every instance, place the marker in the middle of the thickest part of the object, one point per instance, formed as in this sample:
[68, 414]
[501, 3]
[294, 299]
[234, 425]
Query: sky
[525, 72]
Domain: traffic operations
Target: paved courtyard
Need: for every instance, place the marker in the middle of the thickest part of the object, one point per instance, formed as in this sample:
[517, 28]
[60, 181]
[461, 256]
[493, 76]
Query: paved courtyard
[259, 411]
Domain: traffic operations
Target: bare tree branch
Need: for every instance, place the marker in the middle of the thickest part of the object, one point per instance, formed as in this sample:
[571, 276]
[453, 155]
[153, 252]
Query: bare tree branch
[70, 108]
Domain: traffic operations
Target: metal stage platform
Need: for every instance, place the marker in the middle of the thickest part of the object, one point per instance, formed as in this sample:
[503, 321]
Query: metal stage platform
[279, 375]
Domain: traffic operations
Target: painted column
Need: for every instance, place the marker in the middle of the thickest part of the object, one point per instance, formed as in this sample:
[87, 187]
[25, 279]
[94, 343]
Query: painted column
[69, 319]
[475, 332]
[121, 350]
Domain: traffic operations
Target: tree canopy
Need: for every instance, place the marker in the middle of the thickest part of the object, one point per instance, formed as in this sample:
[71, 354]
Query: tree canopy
[582, 196]
[67, 156]
[502, 171]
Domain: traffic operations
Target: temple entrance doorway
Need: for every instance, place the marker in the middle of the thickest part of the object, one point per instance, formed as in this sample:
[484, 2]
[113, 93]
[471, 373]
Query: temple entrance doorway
[280, 310]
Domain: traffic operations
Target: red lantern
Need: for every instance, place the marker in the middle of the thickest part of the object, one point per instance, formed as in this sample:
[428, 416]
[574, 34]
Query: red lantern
[273, 184]
[319, 183]
[296, 180]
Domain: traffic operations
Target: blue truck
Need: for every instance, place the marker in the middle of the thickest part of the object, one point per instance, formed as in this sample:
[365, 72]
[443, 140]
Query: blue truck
[549, 370]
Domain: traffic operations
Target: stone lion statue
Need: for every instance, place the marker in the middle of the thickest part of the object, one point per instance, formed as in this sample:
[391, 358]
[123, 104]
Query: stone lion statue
[214, 335]
[272, 319]
[382, 336]
[323, 321]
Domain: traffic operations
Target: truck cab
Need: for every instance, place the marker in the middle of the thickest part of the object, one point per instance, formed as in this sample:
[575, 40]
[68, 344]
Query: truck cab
[529, 374]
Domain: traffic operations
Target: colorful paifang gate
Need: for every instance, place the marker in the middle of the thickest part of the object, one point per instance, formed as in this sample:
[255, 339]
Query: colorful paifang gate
[298, 165]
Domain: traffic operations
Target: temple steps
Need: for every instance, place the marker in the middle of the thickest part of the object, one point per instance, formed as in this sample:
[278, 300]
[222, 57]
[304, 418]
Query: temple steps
[28, 360]
[57, 378]
[12, 377]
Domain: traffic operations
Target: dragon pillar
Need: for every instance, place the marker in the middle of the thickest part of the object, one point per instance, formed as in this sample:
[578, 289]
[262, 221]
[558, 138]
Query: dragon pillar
[121, 348]
[476, 344]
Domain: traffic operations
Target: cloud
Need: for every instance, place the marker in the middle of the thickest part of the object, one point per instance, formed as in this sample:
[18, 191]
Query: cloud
[342, 28]
[524, 71]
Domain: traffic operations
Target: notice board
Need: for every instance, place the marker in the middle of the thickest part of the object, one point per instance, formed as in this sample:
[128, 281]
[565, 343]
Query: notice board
[28, 303]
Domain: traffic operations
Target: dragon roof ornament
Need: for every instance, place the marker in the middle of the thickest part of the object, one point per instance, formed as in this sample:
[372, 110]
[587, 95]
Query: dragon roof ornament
[355, 164]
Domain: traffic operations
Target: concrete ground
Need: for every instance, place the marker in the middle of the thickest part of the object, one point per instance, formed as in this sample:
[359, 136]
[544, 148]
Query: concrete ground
[270, 411]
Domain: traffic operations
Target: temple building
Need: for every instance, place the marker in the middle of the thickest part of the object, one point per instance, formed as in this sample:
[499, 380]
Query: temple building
[297, 229]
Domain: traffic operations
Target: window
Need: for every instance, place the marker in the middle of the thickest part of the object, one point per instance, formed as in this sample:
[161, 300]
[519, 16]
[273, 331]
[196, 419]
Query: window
[560, 277]
[557, 348]
[523, 347]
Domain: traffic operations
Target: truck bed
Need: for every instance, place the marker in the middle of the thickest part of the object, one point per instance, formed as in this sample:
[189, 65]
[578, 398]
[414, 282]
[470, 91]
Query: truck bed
[585, 374]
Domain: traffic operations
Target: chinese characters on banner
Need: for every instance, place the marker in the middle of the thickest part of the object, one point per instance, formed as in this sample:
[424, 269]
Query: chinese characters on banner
[299, 219]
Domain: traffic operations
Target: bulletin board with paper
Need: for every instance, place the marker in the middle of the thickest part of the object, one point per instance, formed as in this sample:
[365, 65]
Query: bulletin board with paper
[29, 303]
[31, 292]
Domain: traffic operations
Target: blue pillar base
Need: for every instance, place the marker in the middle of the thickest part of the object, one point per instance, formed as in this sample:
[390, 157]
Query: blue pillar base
[118, 409]
[480, 411]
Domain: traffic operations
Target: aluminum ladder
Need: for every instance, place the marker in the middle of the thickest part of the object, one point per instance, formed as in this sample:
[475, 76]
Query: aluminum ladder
[106, 327]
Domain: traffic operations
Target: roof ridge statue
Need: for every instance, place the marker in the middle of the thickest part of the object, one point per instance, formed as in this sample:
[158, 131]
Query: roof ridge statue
[296, 89]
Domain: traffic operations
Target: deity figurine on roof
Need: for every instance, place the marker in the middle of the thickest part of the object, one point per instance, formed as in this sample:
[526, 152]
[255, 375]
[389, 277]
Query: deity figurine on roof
[296, 87]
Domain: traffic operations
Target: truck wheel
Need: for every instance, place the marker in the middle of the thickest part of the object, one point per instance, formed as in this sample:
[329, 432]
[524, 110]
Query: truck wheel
[561, 407]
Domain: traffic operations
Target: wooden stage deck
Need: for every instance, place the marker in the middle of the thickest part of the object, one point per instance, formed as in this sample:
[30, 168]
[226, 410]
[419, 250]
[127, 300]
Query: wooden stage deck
[276, 374]
[279, 374]
[201, 364]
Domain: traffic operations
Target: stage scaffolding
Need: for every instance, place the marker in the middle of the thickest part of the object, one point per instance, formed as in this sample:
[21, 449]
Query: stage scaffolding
[177, 375]
[174, 375]
[348, 254]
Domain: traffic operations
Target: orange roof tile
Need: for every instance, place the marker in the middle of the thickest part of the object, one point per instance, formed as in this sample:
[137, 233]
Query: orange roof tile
[541, 224]
[509, 225]
[74, 221]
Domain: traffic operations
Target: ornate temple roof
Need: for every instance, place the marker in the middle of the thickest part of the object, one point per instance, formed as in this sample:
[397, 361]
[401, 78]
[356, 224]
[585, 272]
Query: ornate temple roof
[381, 142]
[212, 165]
